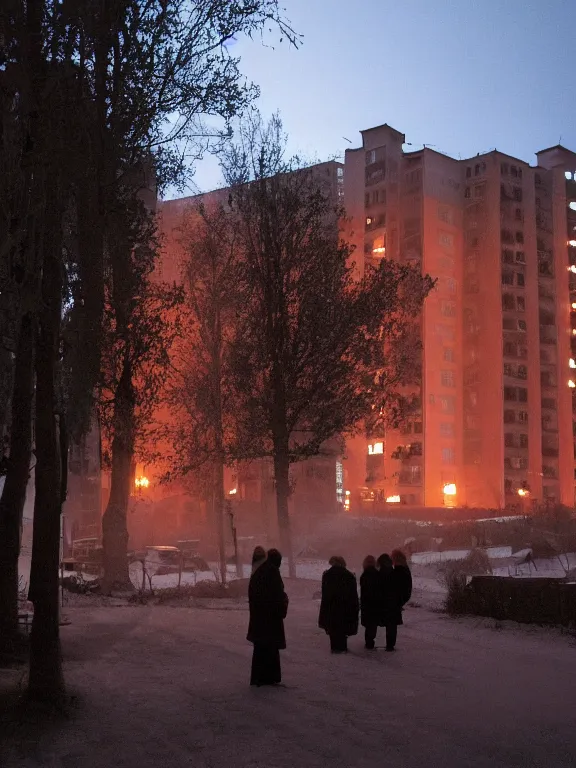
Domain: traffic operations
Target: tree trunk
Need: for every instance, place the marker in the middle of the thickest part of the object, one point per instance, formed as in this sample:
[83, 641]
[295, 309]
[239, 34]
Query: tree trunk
[46, 680]
[114, 520]
[219, 516]
[282, 482]
[16, 482]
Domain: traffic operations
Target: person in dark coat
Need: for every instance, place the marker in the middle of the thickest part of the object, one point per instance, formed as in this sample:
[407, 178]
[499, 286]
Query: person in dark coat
[258, 557]
[390, 602]
[268, 608]
[339, 605]
[369, 601]
[403, 579]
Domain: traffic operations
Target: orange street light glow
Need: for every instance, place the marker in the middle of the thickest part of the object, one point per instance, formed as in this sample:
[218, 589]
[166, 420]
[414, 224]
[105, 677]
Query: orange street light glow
[141, 482]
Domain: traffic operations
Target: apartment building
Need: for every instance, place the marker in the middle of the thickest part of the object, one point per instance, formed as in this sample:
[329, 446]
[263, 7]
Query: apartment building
[494, 426]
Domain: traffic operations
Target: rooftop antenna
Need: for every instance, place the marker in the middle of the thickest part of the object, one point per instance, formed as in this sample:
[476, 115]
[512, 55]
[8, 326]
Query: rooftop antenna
[345, 139]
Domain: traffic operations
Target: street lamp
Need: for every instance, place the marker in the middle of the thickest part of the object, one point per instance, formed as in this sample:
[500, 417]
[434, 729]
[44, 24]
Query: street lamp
[141, 482]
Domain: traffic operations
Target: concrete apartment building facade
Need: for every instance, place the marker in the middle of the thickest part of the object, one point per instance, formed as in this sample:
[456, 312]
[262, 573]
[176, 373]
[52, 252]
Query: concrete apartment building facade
[495, 426]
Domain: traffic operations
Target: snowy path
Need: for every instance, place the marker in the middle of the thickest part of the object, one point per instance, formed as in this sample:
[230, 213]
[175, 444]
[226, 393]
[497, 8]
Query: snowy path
[163, 687]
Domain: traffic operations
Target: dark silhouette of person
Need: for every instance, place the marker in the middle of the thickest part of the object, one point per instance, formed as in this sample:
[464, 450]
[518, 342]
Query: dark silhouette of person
[370, 601]
[258, 557]
[403, 579]
[268, 608]
[339, 605]
[390, 602]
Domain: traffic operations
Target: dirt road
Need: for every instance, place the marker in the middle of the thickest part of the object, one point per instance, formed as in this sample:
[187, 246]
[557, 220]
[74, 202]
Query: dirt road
[162, 687]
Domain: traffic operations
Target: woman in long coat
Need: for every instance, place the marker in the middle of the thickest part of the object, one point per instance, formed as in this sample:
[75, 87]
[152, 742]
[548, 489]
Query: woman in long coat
[390, 602]
[339, 605]
[268, 609]
[370, 601]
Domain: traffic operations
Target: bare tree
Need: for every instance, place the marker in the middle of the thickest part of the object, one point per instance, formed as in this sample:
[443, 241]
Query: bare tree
[318, 352]
[203, 397]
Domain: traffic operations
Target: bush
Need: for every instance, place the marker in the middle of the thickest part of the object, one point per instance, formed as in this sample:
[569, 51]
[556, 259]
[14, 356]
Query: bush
[454, 576]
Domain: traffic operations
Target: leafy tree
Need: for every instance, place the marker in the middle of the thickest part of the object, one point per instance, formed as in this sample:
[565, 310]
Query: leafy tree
[318, 352]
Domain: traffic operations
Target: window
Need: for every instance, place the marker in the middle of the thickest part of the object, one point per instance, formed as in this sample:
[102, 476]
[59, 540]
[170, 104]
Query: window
[520, 257]
[508, 323]
[508, 302]
[504, 169]
[509, 417]
[507, 278]
[451, 285]
[479, 191]
[522, 395]
[446, 239]
[522, 325]
[467, 194]
[477, 169]
[340, 171]
[448, 309]
[376, 448]
[417, 427]
[519, 237]
[517, 194]
[523, 440]
[367, 200]
[520, 279]
[509, 439]
[510, 394]
[509, 369]
[518, 215]
[507, 256]
[510, 349]
[520, 303]
[523, 416]
[369, 221]
[371, 157]
[468, 172]
[522, 372]
[447, 404]
[446, 429]
[447, 379]
[449, 354]
[448, 456]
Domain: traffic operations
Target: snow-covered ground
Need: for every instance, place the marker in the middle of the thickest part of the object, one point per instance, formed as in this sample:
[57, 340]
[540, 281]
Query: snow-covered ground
[165, 687]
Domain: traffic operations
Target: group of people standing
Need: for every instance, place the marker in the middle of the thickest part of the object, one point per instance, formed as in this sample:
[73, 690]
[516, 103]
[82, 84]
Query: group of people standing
[385, 588]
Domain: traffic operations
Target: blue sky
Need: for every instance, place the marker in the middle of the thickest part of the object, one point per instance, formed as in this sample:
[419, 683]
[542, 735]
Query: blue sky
[464, 76]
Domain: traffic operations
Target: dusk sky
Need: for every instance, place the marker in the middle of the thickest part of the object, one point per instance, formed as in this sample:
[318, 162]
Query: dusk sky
[463, 76]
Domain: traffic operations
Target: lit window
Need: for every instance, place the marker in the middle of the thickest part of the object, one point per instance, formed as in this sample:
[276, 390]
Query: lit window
[572, 243]
[368, 221]
[571, 383]
[376, 448]
[568, 174]
[574, 305]
[572, 268]
[572, 363]
[572, 206]
[450, 489]
[393, 499]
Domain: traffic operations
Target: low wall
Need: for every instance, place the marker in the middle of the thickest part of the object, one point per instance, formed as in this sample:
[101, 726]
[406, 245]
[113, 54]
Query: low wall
[532, 601]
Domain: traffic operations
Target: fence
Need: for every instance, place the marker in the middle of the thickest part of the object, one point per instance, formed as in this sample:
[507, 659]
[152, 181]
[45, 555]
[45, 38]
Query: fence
[531, 601]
